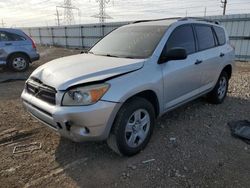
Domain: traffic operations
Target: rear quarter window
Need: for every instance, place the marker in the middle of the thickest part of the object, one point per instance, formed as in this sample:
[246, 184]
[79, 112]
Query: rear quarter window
[205, 37]
[220, 34]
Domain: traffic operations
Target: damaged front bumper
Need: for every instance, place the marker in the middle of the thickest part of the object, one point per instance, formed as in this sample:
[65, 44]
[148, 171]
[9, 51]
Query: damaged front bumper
[78, 123]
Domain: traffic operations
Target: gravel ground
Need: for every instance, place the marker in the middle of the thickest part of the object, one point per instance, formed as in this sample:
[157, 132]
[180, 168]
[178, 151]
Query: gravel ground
[191, 146]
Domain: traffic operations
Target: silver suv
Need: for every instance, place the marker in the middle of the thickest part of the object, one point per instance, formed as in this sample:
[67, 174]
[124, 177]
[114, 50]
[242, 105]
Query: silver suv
[17, 49]
[135, 74]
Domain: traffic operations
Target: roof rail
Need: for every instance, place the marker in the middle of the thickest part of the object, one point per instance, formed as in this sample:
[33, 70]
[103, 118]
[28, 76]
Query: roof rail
[160, 19]
[200, 19]
[180, 19]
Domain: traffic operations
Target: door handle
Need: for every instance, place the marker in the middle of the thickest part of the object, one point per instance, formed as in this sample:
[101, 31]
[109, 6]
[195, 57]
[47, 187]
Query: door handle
[198, 62]
[222, 54]
[8, 44]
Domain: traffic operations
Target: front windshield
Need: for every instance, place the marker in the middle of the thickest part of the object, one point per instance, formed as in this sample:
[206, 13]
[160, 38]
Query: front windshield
[130, 42]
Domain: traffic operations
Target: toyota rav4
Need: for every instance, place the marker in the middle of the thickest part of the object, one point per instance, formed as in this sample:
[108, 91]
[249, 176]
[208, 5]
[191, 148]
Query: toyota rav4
[135, 74]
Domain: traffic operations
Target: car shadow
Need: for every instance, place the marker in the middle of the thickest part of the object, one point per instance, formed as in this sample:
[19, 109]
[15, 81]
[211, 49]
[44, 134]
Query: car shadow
[194, 123]
[8, 75]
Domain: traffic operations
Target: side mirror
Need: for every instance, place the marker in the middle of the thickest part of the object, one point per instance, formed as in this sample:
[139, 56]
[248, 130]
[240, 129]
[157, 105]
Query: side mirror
[173, 54]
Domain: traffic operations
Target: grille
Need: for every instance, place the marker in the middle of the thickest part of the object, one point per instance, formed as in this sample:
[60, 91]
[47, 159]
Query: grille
[41, 91]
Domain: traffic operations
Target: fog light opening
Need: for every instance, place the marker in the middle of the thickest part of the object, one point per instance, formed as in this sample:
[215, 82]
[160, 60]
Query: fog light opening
[59, 126]
[86, 130]
[68, 125]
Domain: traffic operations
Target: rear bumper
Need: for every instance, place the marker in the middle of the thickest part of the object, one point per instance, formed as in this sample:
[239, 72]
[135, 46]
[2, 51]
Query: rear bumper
[35, 58]
[83, 123]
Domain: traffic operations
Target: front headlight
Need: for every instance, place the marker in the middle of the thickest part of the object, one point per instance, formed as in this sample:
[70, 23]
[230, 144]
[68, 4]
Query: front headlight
[87, 95]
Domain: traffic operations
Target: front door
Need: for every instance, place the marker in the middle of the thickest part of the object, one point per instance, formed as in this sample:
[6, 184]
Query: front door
[181, 77]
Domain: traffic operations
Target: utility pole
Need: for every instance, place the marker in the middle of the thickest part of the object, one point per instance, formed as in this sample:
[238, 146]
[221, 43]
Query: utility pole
[224, 6]
[68, 12]
[102, 12]
[3, 24]
[57, 17]
[205, 12]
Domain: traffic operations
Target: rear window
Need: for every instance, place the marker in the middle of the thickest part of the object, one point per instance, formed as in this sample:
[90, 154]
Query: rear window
[6, 36]
[220, 33]
[205, 37]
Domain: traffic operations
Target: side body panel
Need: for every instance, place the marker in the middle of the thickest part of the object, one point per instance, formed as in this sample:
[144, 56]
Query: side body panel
[175, 82]
[147, 78]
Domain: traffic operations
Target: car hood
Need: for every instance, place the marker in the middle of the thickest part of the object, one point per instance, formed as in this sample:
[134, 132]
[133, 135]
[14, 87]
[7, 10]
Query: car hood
[68, 71]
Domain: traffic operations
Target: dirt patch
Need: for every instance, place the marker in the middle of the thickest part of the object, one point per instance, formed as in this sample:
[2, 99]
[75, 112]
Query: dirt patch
[191, 146]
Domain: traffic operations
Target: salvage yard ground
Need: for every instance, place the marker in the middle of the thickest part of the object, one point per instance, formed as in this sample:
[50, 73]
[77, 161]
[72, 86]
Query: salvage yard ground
[191, 146]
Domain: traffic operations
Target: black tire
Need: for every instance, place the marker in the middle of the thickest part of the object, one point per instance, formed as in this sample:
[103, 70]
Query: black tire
[215, 97]
[117, 140]
[18, 62]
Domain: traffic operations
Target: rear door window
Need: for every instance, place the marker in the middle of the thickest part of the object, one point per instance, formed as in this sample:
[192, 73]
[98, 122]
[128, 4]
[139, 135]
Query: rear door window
[6, 36]
[221, 36]
[182, 37]
[205, 37]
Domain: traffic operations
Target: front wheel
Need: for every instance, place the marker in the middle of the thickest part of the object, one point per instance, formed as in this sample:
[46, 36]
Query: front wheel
[219, 93]
[133, 127]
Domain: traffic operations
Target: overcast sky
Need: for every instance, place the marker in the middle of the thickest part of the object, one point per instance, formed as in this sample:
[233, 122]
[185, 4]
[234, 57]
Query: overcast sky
[16, 13]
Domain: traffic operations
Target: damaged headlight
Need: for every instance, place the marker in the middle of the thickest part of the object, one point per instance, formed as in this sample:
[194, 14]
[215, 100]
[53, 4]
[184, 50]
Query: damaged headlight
[87, 95]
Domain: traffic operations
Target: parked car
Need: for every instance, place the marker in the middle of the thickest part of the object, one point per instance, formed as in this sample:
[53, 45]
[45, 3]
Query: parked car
[135, 74]
[17, 50]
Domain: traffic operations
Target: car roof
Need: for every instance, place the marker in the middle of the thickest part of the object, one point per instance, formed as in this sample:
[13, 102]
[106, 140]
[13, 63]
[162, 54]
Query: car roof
[10, 29]
[15, 31]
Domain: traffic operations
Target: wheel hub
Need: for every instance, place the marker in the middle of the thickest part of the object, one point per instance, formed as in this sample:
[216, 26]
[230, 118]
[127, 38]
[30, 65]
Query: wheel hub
[137, 127]
[19, 63]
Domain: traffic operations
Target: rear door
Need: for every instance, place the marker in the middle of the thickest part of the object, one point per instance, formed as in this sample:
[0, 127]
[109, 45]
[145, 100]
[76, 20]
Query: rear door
[225, 51]
[181, 77]
[208, 55]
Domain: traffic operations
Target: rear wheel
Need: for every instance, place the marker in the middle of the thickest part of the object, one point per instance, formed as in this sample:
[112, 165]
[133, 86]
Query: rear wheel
[219, 93]
[18, 62]
[133, 127]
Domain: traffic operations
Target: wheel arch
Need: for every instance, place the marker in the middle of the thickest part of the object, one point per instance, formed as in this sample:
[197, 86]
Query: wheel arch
[228, 69]
[17, 52]
[147, 94]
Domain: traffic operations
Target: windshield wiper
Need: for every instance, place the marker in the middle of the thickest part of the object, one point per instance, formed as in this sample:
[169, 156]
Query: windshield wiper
[129, 57]
[109, 55]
